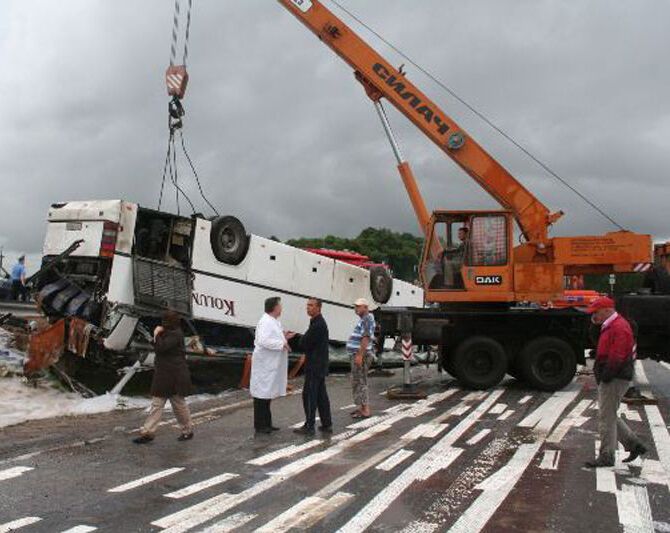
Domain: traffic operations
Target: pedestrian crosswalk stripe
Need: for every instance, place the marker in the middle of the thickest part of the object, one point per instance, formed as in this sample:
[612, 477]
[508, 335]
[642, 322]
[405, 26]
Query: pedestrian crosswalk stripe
[201, 485]
[144, 480]
[288, 451]
[393, 461]
[479, 436]
[14, 472]
[305, 514]
[80, 529]
[17, 524]
[230, 523]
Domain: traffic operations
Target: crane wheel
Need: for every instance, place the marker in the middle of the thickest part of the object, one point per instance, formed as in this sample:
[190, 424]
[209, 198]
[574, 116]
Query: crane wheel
[548, 363]
[229, 240]
[381, 284]
[479, 362]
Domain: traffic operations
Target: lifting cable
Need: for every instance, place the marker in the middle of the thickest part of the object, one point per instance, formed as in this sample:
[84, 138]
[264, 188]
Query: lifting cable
[479, 114]
[176, 78]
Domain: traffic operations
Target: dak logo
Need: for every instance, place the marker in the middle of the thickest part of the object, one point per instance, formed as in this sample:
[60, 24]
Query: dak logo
[488, 280]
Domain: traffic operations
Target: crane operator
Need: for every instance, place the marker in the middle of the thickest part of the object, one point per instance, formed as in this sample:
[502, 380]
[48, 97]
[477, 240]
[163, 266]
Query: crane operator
[452, 260]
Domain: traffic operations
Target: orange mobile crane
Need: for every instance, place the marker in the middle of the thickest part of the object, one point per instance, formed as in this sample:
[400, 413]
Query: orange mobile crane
[484, 289]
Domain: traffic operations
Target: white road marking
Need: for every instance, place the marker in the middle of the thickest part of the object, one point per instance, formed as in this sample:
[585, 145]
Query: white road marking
[461, 410]
[80, 529]
[605, 476]
[497, 487]
[550, 460]
[145, 480]
[16, 471]
[659, 432]
[355, 471]
[663, 527]
[653, 472]
[479, 436]
[437, 458]
[642, 380]
[420, 527]
[16, 524]
[77, 444]
[506, 414]
[209, 509]
[302, 423]
[634, 509]
[498, 409]
[630, 414]
[474, 396]
[231, 523]
[305, 514]
[393, 461]
[350, 406]
[284, 452]
[574, 419]
[525, 399]
[201, 485]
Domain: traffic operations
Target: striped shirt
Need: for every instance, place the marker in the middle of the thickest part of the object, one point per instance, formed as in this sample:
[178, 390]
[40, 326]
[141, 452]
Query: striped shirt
[365, 327]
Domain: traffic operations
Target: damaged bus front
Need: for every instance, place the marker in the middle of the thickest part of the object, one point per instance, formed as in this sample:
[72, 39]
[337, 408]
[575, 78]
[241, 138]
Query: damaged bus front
[125, 265]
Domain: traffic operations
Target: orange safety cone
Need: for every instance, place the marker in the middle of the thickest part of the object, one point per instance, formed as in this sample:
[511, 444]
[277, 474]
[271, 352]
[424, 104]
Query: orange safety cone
[246, 373]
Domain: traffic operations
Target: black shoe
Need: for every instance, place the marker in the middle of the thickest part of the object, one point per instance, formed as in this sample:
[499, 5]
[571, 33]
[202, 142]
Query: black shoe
[600, 462]
[304, 430]
[273, 428]
[185, 436]
[639, 449]
[143, 439]
[263, 431]
[326, 429]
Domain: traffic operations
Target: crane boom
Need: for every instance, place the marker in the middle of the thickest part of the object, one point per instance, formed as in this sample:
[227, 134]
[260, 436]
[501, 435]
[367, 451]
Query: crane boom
[381, 79]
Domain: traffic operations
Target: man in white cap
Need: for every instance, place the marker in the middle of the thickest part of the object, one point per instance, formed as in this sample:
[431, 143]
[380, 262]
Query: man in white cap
[360, 348]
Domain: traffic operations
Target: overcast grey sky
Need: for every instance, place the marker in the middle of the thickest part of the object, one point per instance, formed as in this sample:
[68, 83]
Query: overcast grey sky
[283, 136]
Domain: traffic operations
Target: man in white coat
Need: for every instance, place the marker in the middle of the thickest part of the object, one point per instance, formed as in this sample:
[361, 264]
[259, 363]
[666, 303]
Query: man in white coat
[269, 365]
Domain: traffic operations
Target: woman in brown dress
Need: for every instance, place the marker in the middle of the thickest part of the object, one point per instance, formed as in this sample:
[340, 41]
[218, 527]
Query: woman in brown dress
[171, 380]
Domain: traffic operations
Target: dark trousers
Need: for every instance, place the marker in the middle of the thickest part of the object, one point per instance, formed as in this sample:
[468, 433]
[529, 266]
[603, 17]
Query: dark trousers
[19, 291]
[315, 396]
[262, 414]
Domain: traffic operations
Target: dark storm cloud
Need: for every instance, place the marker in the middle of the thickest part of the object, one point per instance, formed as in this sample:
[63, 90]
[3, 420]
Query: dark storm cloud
[284, 137]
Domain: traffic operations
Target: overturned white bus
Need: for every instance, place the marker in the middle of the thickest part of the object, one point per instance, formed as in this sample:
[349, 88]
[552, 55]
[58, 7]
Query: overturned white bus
[110, 267]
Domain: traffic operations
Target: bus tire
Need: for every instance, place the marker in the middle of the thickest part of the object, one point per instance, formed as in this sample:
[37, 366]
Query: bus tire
[229, 240]
[480, 362]
[381, 284]
[548, 363]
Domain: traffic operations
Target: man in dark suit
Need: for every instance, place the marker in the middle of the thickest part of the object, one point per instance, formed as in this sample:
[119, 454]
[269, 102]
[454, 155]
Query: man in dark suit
[314, 395]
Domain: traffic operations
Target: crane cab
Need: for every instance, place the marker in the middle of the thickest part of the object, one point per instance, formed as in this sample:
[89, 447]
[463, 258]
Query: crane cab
[468, 257]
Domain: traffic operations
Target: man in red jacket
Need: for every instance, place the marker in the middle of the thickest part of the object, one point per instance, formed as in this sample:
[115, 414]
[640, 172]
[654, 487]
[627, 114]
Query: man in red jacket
[613, 369]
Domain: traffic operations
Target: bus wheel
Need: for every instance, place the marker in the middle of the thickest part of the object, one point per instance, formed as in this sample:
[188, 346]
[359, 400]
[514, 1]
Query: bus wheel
[229, 240]
[480, 362]
[381, 284]
[548, 363]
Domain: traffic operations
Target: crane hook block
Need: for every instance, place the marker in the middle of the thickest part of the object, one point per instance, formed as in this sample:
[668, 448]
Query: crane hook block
[176, 79]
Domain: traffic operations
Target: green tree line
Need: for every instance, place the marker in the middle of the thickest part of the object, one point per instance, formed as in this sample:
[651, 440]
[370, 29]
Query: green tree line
[401, 251]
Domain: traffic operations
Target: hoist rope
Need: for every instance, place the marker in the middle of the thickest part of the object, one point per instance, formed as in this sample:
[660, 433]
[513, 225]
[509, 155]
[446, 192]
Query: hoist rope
[174, 122]
[479, 114]
[197, 179]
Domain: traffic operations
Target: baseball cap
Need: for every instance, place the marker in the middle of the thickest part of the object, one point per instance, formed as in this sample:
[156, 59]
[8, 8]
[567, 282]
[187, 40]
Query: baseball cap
[362, 301]
[603, 302]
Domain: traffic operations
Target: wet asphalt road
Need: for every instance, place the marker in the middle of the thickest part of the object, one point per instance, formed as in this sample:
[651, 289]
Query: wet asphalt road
[504, 460]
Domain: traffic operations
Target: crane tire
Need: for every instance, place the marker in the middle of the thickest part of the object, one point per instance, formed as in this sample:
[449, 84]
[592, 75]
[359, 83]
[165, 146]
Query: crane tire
[479, 362]
[548, 363]
[381, 284]
[229, 240]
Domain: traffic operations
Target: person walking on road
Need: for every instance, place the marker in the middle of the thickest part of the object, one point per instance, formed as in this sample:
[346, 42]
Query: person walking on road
[360, 348]
[18, 275]
[314, 343]
[171, 380]
[613, 369]
[269, 365]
